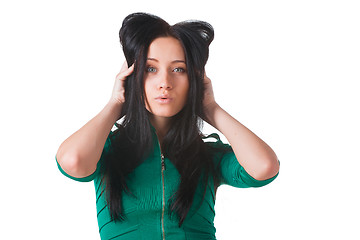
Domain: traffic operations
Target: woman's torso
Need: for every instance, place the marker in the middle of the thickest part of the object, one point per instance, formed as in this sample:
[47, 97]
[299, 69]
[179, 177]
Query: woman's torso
[146, 209]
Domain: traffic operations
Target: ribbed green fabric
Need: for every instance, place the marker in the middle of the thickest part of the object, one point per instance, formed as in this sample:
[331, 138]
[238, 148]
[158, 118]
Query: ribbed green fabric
[143, 211]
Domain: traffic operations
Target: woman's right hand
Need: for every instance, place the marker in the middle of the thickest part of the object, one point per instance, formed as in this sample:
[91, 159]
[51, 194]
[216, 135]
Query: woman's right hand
[118, 94]
[79, 154]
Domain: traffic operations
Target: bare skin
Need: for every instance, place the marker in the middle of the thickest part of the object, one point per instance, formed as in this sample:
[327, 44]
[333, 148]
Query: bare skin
[78, 155]
[166, 82]
[258, 159]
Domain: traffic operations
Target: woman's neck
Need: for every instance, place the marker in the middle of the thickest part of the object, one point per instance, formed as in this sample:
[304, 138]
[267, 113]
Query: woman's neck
[161, 125]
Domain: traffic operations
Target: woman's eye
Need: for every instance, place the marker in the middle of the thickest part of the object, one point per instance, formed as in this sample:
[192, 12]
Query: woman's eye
[179, 70]
[151, 69]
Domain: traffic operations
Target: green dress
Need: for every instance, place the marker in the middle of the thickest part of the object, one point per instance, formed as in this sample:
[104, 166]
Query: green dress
[154, 181]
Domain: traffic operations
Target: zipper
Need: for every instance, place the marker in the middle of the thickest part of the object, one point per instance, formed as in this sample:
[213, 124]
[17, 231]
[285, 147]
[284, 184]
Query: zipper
[163, 190]
[163, 197]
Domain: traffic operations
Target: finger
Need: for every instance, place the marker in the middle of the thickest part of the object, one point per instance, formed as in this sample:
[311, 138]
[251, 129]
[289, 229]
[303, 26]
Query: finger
[125, 72]
[124, 66]
[206, 79]
[205, 76]
[128, 71]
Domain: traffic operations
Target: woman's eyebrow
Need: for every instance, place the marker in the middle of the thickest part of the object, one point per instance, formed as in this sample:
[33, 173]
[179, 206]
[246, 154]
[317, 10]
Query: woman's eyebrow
[175, 61]
[153, 59]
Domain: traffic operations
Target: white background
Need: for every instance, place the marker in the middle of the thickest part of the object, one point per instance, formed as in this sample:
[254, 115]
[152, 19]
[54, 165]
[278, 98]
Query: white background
[288, 70]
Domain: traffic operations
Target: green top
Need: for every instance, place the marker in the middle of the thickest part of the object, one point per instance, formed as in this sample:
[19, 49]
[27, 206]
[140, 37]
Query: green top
[145, 217]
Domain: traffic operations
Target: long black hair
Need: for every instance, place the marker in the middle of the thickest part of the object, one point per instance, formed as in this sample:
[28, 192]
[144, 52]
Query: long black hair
[183, 143]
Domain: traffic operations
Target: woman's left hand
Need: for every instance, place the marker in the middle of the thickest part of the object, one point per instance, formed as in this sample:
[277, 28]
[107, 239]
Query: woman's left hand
[209, 99]
[258, 159]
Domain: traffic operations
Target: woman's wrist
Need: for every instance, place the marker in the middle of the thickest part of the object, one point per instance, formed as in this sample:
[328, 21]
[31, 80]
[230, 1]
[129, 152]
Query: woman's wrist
[210, 112]
[114, 109]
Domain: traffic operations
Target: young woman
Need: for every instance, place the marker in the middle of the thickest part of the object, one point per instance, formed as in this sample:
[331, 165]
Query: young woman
[155, 176]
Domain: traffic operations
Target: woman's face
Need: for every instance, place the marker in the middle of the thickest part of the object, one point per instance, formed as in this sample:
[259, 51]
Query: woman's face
[166, 81]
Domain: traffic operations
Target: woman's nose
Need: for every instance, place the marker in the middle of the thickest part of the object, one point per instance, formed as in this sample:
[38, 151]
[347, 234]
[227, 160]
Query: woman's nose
[165, 81]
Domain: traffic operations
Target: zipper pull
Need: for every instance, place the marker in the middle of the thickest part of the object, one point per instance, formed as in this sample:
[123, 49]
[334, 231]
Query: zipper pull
[162, 162]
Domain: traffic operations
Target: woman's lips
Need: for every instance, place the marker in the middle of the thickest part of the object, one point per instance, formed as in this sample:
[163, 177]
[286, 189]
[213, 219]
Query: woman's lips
[163, 99]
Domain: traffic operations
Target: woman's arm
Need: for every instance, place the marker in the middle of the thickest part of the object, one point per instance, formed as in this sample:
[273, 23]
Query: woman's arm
[258, 159]
[79, 154]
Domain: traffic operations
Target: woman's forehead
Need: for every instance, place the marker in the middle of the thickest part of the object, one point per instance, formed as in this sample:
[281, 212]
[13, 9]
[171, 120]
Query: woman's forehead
[167, 49]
